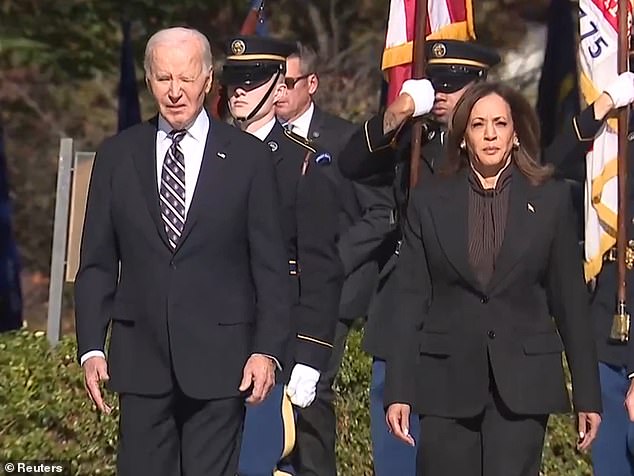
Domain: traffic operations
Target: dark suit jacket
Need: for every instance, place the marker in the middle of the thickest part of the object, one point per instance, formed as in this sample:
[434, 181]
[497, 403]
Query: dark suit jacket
[366, 218]
[198, 312]
[567, 153]
[450, 327]
[309, 220]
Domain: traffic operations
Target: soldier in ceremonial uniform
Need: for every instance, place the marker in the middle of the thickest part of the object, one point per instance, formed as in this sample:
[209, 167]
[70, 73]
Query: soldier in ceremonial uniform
[613, 450]
[366, 219]
[254, 78]
[383, 141]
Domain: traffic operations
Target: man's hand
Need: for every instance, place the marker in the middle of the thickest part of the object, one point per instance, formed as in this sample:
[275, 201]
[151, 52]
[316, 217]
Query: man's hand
[415, 99]
[422, 93]
[621, 90]
[302, 386]
[259, 371]
[95, 372]
[397, 419]
[588, 426]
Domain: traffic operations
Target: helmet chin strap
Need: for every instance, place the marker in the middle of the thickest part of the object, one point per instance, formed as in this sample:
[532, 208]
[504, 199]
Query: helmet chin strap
[243, 120]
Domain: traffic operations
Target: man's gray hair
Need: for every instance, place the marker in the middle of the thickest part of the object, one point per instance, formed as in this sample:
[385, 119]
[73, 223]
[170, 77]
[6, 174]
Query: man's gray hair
[177, 35]
[308, 58]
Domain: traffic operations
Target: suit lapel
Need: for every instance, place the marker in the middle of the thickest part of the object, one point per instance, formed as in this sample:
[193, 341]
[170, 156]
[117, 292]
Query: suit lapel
[451, 217]
[144, 157]
[209, 178]
[317, 124]
[519, 229]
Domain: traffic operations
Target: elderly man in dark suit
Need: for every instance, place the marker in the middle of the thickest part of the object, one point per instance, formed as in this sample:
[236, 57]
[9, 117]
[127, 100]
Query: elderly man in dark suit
[183, 258]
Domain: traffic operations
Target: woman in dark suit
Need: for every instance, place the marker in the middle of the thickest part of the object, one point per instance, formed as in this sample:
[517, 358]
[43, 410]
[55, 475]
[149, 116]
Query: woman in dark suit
[491, 293]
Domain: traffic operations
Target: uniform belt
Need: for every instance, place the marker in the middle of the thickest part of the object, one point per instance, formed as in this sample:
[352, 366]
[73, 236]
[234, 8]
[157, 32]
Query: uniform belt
[610, 256]
[293, 267]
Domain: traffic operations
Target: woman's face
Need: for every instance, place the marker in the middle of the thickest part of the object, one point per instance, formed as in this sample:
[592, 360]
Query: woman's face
[490, 133]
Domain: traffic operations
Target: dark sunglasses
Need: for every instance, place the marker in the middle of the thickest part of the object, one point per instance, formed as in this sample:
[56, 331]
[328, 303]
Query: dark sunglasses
[291, 82]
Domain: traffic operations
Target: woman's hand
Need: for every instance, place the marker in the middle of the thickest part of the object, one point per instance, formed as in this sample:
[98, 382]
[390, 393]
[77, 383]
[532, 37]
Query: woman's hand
[588, 426]
[397, 419]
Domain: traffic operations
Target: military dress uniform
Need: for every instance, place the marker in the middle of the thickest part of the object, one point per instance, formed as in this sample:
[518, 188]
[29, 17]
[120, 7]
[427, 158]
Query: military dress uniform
[366, 221]
[613, 450]
[374, 157]
[309, 205]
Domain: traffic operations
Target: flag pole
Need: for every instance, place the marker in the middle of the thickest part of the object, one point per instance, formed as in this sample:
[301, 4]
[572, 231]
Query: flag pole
[249, 26]
[418, 72]
[621, 321]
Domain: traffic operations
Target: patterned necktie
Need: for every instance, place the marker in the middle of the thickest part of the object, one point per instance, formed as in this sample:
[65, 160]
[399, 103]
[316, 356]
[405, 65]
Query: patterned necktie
[172, 191]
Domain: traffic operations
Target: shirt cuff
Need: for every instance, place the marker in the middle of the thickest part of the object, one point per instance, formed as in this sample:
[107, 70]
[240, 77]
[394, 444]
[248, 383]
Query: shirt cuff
[277, 362]
[92, 353]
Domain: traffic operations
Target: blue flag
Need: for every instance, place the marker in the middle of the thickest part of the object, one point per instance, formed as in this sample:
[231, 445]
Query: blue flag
[558, 98]
[262, 26]
[10, 288]
[129, 109]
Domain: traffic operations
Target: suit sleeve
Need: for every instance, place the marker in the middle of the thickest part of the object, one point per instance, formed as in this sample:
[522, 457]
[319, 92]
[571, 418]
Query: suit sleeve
[367, 234]
[413, 295]
[573, 142]
[321, 271]
[269, 266]
[570, 306]
[368, 152]
[96, 280]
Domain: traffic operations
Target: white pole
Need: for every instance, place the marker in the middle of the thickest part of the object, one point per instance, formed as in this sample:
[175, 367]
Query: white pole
[60, 234]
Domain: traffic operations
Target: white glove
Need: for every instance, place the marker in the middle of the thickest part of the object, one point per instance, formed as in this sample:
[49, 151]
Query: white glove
[621, 90]
[302, 386]
[422, 93]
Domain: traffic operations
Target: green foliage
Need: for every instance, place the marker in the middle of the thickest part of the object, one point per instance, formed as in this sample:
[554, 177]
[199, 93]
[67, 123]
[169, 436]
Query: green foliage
[45, 414]
[75, 38]
[354, 449]
[44, 411]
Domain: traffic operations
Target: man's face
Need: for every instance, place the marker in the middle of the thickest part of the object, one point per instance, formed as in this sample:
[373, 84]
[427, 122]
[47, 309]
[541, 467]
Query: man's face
[243, 99]
[177, 81]
[299, 91]
[445, 103]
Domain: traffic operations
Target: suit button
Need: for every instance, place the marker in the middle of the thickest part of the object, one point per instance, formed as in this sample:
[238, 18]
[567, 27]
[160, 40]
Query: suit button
[484, 299]
[172, 265]
[491, 334]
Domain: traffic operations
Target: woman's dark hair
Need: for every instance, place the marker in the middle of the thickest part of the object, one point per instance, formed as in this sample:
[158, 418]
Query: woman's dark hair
[526, 157]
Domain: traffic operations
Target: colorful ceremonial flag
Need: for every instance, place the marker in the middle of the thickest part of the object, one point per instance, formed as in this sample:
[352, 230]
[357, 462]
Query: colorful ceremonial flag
[598, 48]
[446, 19]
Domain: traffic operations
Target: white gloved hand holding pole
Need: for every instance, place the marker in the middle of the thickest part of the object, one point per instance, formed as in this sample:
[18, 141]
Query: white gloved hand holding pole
[302, 386]
[422, 93]
[621, 90]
